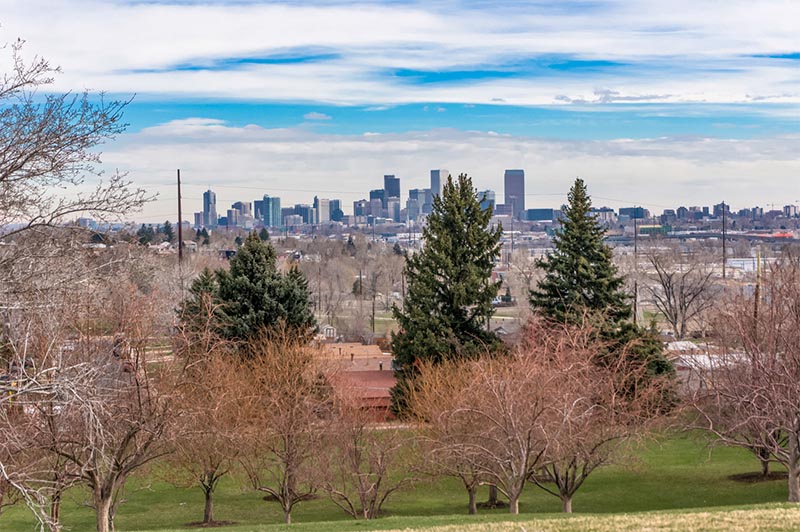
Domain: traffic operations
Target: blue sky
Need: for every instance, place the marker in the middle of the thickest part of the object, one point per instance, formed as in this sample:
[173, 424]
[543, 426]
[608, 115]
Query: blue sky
[649, 101]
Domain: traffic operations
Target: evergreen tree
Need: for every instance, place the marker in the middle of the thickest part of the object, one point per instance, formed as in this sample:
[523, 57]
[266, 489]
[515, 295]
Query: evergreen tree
[206, 237]
[145, 234]
[581, 282]
[449, 298]
[254, 296]
[263, 234]
[579, 273]
[169, 233]
[195, 309]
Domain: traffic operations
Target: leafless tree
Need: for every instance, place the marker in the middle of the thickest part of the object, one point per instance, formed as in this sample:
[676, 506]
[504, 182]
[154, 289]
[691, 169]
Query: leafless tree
[286, 410]
[593, 408]
[502, 412]
[753, 389]
[363, 459]
[442, 436]
[682, 291]
[48, 146]
[206, 446]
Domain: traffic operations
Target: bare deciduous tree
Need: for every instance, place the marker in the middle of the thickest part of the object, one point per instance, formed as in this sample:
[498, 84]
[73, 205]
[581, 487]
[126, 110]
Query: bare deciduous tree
[682, 291]
[286, 410]
[502, 412]
[363, 458]
[753, 388]
[593, 407]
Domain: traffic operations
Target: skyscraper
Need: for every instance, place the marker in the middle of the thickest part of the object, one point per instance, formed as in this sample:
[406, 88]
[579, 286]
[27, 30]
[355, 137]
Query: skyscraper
[437, 176]
[209, 208]
[487, 199]
[514, 184]
[323, 208]
[271, 211]
[391, 188]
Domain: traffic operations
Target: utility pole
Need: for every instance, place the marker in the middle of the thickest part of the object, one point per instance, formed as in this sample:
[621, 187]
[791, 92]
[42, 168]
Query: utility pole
[180, 221]
[724, 238]
[635, 266]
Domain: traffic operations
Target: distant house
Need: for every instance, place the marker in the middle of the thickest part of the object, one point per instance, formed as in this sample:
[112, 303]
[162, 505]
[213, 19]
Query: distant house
[373, 389]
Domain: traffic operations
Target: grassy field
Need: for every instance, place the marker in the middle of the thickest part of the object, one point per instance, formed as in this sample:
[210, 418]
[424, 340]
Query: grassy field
[676, 474]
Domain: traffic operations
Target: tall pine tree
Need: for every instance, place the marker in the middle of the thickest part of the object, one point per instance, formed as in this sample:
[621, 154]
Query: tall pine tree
[579, 273]
[253, 297]
[581, 281]
[450, 292]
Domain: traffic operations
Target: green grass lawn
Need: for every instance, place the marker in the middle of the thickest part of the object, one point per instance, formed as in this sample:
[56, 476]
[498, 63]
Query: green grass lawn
[673, 474]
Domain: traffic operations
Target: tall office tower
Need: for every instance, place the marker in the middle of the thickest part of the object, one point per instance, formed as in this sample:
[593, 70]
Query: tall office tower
[361, 207]
[487, 199]
[258, 209]
[209, 208]
[286, 211]
[393, 208]
[232, 219]
[198, 220]
[437, 176]
[243, 207]
[307, 212]
[336, 210]
[380, 194]
[272, 214]
[514, 183]
[375, 207]
[639, 213]
[391, 188]
[426, 199]
[323, 208]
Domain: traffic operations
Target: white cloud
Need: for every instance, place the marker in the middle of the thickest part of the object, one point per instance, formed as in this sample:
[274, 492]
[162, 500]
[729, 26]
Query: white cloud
[244, 163]
[677, 51]
[316, 116]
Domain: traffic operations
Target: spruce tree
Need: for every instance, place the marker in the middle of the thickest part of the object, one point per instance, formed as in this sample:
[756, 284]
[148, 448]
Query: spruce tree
[579, 273]
[450, 292]
[581, 282]
[252, 296]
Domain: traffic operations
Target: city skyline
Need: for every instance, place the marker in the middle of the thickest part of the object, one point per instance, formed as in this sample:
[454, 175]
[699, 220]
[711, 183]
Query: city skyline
[648, 102]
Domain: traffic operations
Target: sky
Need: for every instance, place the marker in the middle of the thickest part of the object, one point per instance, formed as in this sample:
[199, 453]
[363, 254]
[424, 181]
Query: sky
[686, 102]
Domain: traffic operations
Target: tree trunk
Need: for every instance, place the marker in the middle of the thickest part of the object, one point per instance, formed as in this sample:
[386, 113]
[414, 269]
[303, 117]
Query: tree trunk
[103, 510]
[763, 457]
[208, 512]
[492, 502]
[566, 504]
[764, 468]
[55, 512]
[473, 503]
[794, 468]
[513, 504]
[287, 516]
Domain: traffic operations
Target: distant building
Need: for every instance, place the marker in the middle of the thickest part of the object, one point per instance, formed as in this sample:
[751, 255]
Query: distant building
[209, 208]
[514, 188]
[378, 193]
[638, 213]
[272, 214]
[437, 176]
[487, 199]
[258, 209]
[391, 188]
[539, 215]
[306, 212]
[323, 208]
[719, 208]
[790, 211]
[393, 208]
[361, 207]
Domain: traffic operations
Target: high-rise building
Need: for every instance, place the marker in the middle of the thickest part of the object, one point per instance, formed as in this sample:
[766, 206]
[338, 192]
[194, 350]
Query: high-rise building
[361, 207]
[258, 209]
[198, 220]
[380, 194]
[336, 210]
[209, 208]
[307, 212]
[514, 187]
[272, 214]
[391, 188]
[487, 199]
[323, 208]
[634, 212]
[393, 208]
[437, 176]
